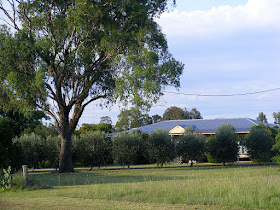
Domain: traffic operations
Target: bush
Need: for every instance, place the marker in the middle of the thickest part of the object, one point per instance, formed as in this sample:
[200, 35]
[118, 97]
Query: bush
[276, 148]
[223, 145]
[259, 144]
[160, 147]
[191, 146]
[33, 147]
[96, 148]
[6, 179]
[128, 148]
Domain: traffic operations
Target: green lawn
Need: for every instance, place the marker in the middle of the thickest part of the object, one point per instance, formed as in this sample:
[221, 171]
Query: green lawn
[230, 187]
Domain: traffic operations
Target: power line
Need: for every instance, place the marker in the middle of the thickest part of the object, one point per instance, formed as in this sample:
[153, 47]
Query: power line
[223, 95]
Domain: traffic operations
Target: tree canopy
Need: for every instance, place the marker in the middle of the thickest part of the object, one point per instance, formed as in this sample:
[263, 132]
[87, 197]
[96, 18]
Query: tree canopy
[262, 117]
[65, 54]
[259, 143]
[177, 113]
[132, 118]
[223, 145]
[276, 116]
[191, 146]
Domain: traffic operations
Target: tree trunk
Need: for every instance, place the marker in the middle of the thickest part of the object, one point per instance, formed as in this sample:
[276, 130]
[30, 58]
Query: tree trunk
[65, 156]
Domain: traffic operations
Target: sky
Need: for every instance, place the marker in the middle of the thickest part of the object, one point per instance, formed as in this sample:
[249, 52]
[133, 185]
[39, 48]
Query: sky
[228, 47]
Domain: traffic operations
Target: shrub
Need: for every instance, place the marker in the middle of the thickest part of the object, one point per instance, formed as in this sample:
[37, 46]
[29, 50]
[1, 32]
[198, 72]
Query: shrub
[127, 148]
[223, 145]
[191, 146]
[160, 147]
[6, 179]
[259, 144]
[33, 147]
[276, 148]
[96, 148]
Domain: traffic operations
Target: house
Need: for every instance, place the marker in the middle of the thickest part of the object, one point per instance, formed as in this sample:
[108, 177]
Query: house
[206, 127]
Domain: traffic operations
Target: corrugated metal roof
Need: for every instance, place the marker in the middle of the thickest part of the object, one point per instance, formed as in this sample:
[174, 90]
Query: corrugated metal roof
[200, 125]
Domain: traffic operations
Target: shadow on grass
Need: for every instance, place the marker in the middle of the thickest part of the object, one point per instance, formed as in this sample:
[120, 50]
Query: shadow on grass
[124, 175]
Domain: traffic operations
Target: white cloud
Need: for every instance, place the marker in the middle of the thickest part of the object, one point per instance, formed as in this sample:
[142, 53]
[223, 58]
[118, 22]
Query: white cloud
[222, 19]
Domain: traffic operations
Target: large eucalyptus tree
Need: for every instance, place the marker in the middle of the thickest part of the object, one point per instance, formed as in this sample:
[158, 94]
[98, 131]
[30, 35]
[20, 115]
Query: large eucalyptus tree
[62, 55]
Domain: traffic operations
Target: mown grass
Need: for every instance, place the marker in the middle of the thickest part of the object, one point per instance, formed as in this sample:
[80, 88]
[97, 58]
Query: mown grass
[199, 187]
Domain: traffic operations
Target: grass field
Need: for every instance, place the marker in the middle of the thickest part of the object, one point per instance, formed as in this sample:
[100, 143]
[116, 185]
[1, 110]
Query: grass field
[207, 187]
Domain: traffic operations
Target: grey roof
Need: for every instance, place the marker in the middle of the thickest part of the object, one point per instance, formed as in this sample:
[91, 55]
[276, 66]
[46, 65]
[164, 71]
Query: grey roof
[200, 125]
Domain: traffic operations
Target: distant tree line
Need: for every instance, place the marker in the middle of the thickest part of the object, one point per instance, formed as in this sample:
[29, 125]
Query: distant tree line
[95, 148]
[133, 118]
[262, 117]
[38, 145]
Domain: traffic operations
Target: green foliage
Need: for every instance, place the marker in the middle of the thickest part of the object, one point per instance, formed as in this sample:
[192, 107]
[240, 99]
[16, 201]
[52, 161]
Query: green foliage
[128, 148]
[33, 147]
[223, 145]
[6, 179]
[76, 150]
[193, 114]
[132, 118]
[13, 123]
[106, 120]
[191, 146]
[43, 130]
[156, 118]
[160, 147]
[262, 117]
[10, 153]
[173, 113]
[259, 143]
[276, 116]
[176, 113]
[52, 151]
[276, 148]
[209, 157]
[6, 133]
[95, 149]
[107, 128]
[66, 54]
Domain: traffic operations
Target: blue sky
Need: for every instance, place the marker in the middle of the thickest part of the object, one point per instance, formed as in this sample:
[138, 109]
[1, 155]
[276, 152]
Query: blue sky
[227, 46]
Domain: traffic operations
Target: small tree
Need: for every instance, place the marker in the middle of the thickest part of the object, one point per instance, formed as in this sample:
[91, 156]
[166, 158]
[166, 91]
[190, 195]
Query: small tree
[156, 118]
[276, 116]
[160, 147]
[53, 147]
[173, 113]
[276, 148]
[191, 146]
[126, 148]
[33, 147]
[96, 148]
[259, 143]
[193, 114]
[106, 120]
[223, 145]
[132, 118]
[262, 117]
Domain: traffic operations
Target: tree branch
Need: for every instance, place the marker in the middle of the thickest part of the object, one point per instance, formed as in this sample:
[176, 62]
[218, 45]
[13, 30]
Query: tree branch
[12, 19]
[43, 108]
[93, 99]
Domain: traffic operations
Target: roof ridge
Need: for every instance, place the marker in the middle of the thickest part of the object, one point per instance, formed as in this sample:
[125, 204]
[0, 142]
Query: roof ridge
[252, 121]
[208, 119]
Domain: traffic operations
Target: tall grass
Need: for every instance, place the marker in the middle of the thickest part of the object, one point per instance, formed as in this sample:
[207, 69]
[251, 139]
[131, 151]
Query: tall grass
[247, 187]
